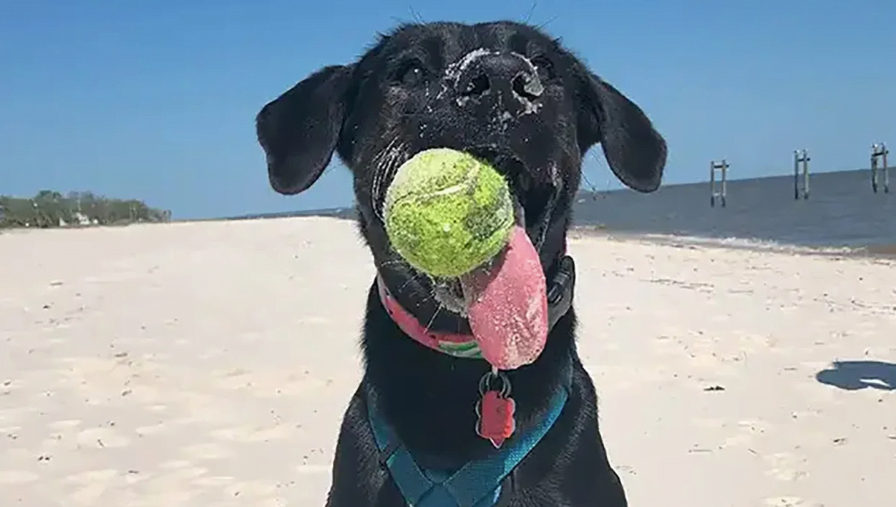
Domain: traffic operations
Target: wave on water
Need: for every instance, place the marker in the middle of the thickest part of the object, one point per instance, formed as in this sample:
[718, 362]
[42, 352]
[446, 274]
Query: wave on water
[754, 245]
[731, 242]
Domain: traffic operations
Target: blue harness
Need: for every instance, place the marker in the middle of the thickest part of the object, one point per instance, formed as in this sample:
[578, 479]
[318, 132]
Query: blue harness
[476, 484]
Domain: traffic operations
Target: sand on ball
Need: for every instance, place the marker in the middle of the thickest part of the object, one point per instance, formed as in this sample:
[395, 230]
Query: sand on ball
[447, 212]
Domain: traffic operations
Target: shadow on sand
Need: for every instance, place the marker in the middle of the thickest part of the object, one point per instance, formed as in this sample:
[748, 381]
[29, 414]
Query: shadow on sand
[855, 375]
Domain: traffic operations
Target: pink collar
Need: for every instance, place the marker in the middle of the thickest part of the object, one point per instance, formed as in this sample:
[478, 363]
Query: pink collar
[453, 344]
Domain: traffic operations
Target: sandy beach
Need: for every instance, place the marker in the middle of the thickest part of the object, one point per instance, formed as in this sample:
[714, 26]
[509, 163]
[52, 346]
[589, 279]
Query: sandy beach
[208, 364]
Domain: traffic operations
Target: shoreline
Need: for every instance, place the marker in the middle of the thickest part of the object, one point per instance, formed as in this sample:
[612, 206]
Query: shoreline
[883, 252]
[870, 251]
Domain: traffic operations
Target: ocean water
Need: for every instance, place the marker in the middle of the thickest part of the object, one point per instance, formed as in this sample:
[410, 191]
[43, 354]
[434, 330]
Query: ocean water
[842, 213]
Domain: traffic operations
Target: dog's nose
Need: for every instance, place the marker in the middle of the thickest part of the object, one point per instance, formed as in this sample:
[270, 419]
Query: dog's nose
[507, 74]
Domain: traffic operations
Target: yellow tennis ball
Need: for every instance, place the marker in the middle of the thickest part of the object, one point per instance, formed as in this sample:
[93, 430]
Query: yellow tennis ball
[447, 212]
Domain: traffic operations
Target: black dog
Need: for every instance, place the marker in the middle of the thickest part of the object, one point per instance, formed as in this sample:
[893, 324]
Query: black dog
[509, 94]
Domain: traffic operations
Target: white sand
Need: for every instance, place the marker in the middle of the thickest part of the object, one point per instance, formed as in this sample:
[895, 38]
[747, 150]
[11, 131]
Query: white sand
[203, 364]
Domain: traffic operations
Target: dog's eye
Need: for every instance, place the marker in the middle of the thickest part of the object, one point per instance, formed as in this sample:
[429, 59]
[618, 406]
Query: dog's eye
[411, 74]
[544, 67]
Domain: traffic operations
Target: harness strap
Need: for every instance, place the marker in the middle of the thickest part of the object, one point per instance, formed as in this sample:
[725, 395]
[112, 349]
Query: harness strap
[476, 484]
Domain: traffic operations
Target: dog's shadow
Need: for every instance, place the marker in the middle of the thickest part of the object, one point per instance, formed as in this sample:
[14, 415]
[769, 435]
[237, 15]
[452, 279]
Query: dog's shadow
[855, 375]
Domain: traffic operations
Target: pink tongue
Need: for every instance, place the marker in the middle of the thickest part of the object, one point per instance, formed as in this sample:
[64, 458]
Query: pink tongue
[507, 305]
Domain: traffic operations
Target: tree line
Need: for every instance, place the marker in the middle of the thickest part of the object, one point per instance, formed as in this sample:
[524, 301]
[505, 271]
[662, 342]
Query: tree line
[53, 209]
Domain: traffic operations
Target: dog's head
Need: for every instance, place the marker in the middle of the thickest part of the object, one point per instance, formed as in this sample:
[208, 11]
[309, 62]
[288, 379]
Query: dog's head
[503, 91]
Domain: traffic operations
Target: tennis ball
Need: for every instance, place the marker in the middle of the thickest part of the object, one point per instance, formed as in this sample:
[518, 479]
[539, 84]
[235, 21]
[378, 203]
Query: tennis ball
[447, 212]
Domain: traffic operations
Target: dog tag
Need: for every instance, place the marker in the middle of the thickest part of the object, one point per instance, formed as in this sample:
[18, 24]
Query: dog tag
[496, 421]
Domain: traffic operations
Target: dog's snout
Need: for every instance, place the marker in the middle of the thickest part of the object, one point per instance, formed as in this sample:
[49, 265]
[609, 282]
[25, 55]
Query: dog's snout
[505, 74]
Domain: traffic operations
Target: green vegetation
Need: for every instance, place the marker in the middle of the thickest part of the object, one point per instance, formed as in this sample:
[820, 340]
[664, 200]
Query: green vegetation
[52, 209]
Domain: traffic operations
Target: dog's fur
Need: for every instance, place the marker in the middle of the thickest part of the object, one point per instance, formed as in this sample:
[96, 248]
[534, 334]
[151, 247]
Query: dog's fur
[508, 93]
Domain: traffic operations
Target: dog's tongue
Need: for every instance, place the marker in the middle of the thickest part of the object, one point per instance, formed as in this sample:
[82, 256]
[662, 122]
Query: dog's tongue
[507, 305]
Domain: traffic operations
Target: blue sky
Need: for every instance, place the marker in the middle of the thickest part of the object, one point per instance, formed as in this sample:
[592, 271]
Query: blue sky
[156, 100]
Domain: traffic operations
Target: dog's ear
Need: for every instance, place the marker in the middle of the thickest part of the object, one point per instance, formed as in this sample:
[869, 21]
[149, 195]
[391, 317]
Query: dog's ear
[299, 129]
[635, 152]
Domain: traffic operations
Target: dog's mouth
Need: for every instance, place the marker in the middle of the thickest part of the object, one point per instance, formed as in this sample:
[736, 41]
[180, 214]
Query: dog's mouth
[504, 301]
[534, 196]
[534, 200]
